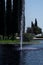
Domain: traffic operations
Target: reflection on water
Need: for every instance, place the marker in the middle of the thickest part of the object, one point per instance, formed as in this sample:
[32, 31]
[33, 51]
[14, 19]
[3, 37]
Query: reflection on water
[33, 57]
[9, 55]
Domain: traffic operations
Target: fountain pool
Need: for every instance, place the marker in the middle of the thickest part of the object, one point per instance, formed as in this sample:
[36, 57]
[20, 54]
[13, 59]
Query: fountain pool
[31, 54]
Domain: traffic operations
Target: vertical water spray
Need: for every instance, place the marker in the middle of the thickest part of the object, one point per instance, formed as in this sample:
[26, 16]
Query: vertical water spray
[11, 4]
[21, 32]
[22, 24]
[5, 19]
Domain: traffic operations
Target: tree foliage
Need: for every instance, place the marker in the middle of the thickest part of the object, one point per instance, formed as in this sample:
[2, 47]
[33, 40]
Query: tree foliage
[34, 28]
[10, 18]
[32, 25]
[35, 22]
[27, 37]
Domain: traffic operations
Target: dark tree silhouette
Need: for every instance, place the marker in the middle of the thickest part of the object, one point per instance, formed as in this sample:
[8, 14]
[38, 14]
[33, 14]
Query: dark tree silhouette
[2, 11]
[17, 12]
[32, 25]
[8, 17]
[35, 22]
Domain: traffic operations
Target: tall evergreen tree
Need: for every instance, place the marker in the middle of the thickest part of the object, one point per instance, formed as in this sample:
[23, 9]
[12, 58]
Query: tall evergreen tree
[15, 16]
[35, 22]
[17, 12]
[32, 25]
[2, 11]
[8, 17]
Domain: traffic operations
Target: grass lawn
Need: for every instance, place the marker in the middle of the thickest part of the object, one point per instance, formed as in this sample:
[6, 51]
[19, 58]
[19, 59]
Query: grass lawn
[12, 42]
[18, 42]
[9, 41]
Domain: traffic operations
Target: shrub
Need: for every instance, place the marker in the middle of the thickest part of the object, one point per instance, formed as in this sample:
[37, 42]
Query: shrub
[27, 37]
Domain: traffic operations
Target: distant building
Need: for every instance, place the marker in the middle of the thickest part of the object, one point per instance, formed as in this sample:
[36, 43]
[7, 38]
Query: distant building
[38, 35]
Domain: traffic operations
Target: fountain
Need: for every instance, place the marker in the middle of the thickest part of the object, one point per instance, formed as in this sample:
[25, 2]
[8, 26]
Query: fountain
[21, 32]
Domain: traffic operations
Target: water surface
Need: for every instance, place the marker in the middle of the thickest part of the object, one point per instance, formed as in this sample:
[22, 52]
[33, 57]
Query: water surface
[34, 54]
[29, 55]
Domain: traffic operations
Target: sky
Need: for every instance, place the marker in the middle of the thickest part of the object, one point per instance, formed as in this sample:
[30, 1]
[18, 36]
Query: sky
[33, 9]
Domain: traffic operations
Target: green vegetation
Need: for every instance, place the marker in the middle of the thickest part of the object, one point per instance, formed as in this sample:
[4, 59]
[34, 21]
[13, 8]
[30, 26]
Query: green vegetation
[27, 37]
[34, 29]
[9, 41]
